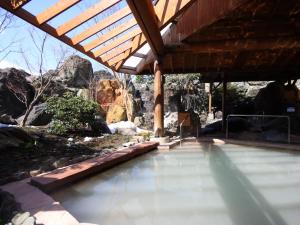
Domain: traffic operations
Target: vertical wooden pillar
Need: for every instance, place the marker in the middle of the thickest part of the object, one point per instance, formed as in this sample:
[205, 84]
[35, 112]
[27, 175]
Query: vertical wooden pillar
[224, 111]
[210, 98]
[158, 100]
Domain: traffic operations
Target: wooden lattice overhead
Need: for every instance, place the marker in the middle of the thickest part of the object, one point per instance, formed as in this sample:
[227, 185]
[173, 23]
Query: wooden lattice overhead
[114, 46]
[217, 38]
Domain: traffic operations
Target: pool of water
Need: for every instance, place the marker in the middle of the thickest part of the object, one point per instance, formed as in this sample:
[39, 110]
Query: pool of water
[193, 184]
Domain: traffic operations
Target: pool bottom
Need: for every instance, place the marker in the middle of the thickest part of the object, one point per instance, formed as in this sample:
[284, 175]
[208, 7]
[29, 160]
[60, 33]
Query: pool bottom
[195, 184]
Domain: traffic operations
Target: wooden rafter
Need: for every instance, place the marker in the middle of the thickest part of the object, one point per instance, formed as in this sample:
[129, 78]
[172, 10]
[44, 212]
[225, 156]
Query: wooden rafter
[166, 11]
[86, 15]
[117, 42]
[101, 25]
[111, 34]
[55, 10]
[144, 14]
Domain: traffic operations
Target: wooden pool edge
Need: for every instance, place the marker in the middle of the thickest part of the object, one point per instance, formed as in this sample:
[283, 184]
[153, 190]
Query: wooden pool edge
[52, 180]
[31, 193]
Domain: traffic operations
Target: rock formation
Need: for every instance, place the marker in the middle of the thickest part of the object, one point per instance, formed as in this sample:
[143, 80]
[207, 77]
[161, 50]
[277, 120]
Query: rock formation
[13, 83]
[76, 72]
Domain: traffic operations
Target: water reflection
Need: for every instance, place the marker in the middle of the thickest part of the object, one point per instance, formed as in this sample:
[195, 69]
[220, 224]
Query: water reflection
[246, 205]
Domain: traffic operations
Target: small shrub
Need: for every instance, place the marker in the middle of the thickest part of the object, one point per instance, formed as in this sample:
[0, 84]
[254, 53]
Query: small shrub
[70, 113]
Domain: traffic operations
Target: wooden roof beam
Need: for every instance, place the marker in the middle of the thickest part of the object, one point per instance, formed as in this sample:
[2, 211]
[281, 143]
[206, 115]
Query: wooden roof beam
[144, 14]
[247, 44]
[111, 34]
[224, 46]
[198, 16]
[101, 25]
[15, 4]
[55, 10]
[166, 11]
[86, 15]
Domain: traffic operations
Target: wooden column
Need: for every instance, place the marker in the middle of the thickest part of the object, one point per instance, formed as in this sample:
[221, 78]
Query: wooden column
[159, 100]
[224, 111]
[210, 98]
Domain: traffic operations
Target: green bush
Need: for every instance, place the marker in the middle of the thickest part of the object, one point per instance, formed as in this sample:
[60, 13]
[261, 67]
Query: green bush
[70, 113]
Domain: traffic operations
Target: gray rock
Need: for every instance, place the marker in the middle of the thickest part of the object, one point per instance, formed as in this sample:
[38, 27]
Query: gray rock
[20, 218]
[60, 162]
[139, 121]
[13, 79]
[7, 119]
[37, 116]
[14, 137]
[103, 75]
[76, 72]
[8, 206]
[99, 126]
[171, 121]
[29, 221]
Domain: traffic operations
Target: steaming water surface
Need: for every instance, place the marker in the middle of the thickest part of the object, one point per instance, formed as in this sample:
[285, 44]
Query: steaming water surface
[193, 184]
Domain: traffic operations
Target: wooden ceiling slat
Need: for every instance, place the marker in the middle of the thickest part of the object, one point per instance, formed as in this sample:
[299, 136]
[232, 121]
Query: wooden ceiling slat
[111, 34]
[117, 42]
[28, 17]
[116, 51]
[86, 15]
[55, 10]
[101, 25]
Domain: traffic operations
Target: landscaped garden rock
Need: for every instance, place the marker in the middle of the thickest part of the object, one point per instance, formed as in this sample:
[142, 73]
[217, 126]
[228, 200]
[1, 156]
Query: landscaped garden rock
[8, 206]
[116, 113]
[38, 116]
[13, 83]
[76, 72]
[7, 119]
[139, 121]
[20, 218]
[14, 137]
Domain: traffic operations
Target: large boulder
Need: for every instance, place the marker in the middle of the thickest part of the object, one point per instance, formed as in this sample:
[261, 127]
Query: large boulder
[37, 116]
[14, 87]
[103, 75]
[14, 137]
[116, 113]
[275, 97]
[107, 92]
[76, 72]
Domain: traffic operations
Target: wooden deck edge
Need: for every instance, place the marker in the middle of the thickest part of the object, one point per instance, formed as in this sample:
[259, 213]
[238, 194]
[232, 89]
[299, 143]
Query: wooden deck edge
[50, 181]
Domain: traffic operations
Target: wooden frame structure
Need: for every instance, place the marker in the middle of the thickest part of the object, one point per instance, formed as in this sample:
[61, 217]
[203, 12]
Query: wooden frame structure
[114, 47]
[211, 37]
[224, 40]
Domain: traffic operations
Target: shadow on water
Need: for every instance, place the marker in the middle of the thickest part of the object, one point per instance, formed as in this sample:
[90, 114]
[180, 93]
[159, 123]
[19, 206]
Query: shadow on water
[245, 203]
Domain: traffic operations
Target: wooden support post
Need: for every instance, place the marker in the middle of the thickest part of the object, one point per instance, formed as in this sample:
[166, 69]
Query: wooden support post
[159, 100]
[210, 98]
[224, 111]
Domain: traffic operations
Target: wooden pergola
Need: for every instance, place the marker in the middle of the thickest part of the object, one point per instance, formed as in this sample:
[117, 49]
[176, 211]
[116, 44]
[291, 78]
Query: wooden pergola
[224, 40]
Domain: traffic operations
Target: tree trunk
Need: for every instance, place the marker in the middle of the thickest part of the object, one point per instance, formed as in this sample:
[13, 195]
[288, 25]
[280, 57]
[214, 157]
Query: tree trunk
[28, 110]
